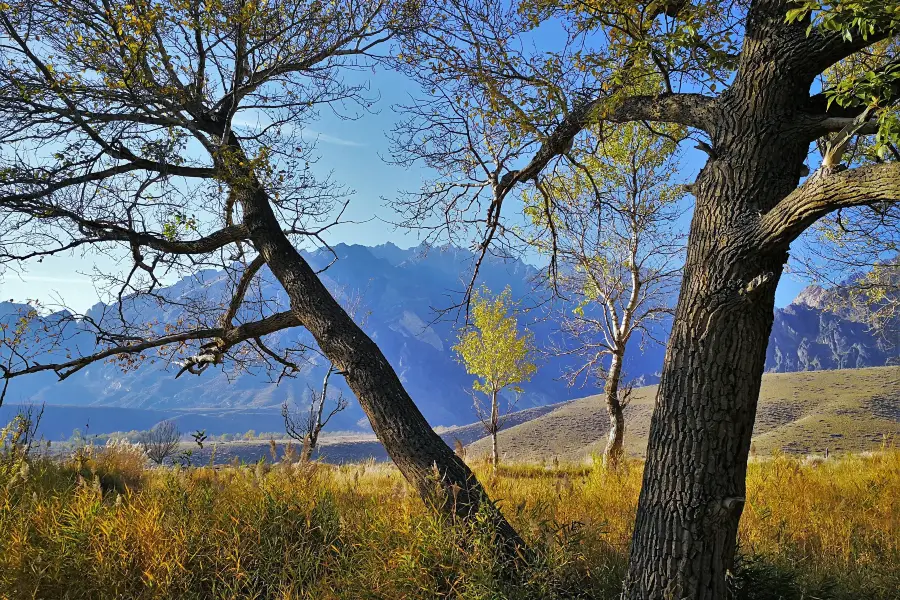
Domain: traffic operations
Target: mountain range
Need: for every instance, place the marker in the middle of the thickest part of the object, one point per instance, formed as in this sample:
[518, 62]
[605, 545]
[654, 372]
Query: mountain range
[403, 290]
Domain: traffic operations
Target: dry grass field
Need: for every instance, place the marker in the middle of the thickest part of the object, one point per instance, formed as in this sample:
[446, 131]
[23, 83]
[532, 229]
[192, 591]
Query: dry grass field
[100, 524]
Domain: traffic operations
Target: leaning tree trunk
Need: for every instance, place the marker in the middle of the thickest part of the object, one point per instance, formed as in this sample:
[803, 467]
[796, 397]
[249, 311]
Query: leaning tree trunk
[693, 490]
[441, 478]
[615, 441]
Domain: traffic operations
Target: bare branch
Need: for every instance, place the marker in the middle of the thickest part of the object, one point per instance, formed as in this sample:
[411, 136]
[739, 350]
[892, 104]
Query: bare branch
[224, 339]
[825, 194]
[241, 290]
[691, 110]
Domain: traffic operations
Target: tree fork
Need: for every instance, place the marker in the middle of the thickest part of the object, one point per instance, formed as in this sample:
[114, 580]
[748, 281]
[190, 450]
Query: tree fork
[693, 490]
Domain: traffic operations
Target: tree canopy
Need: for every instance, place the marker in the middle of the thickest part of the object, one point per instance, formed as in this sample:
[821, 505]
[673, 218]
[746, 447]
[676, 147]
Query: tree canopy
[492, 348]
[105, 104]
[127, 129]
[510, 87]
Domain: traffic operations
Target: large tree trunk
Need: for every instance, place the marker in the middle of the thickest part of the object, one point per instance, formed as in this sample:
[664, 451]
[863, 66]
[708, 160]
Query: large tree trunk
[693, 488]
[615, 441]
[441, 478]
[694, 479]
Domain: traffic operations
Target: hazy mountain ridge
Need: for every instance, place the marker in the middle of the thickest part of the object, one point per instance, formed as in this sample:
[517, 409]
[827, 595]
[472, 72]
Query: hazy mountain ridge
[402, 289]
[822, 330]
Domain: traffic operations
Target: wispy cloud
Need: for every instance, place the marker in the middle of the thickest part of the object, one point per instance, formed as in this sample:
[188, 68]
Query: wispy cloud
[53, 279]
[306, 132]
[333, 139]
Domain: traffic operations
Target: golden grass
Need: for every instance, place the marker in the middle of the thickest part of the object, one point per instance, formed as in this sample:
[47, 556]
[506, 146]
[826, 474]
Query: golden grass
[100, 526]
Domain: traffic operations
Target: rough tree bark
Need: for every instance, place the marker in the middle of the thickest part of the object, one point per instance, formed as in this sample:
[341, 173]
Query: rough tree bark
[615, 441]
[694, 480]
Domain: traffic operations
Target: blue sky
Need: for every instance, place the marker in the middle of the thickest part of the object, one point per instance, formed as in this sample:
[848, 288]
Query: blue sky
[352, 150]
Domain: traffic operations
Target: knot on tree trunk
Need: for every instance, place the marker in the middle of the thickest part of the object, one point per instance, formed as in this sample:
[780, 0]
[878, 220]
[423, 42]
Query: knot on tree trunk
[725, 509]
[755, 284]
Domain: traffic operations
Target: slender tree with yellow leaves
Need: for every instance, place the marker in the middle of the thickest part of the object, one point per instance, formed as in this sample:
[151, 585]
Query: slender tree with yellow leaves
[497, 355]
[620, 252]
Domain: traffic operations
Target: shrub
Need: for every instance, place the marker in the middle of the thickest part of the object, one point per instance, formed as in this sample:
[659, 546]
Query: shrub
[119, 464]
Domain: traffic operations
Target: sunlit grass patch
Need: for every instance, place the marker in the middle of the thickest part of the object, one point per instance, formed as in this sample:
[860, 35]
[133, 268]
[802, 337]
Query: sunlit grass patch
[103, 525]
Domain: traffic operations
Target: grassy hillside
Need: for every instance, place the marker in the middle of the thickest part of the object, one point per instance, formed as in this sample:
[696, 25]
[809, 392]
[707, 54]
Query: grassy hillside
[850, 410]
[843, 411]
[470, 433]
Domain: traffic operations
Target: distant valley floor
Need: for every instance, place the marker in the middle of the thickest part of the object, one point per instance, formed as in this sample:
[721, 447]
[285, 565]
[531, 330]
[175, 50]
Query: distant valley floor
[799, 413]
